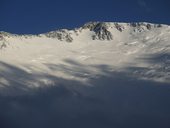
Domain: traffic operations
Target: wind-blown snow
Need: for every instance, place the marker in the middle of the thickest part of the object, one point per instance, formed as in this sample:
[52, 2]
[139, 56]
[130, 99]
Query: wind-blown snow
[91, 65]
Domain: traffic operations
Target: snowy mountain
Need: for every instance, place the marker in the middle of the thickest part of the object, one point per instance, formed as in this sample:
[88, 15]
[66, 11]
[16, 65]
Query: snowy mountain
[100, 30]
[103, 73]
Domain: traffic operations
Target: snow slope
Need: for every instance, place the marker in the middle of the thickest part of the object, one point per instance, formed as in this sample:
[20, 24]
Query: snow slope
[105, 74]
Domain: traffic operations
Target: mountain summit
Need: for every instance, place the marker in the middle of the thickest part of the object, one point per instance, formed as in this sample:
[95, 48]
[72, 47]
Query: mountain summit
[98, 30]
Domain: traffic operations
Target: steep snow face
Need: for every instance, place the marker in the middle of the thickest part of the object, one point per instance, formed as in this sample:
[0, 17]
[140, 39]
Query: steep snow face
[138, 49]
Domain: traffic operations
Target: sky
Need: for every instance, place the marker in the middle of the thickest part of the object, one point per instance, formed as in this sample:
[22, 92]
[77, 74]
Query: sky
[39, 16]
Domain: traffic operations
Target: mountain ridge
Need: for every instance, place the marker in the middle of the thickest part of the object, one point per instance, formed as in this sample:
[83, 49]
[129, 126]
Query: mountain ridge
[100, 29]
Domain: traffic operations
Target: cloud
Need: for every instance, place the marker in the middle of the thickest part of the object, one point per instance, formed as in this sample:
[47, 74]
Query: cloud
[144, 5]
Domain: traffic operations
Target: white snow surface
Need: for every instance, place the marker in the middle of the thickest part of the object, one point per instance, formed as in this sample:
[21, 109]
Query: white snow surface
[88, 72]
[78, 60]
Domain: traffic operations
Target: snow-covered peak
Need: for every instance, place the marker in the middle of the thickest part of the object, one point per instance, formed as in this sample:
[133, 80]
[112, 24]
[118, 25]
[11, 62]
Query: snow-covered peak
[104, 30]
[98, 31]
[121, 26]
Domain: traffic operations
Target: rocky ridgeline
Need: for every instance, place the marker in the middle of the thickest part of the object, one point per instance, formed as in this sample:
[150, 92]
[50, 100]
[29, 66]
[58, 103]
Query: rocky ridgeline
[62, 35]
[101, 31]
[2, 41]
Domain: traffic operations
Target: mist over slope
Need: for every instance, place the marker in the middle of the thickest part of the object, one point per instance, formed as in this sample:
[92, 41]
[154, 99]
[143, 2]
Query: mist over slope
[102, 74]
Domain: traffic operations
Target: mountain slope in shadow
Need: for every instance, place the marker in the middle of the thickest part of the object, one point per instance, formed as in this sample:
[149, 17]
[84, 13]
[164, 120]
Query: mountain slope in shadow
[112, 99]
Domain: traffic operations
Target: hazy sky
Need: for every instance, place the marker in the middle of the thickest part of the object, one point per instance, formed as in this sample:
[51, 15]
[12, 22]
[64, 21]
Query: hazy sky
[37, 16]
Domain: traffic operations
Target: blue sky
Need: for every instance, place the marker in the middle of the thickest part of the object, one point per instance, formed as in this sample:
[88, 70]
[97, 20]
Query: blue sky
[38, 16]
